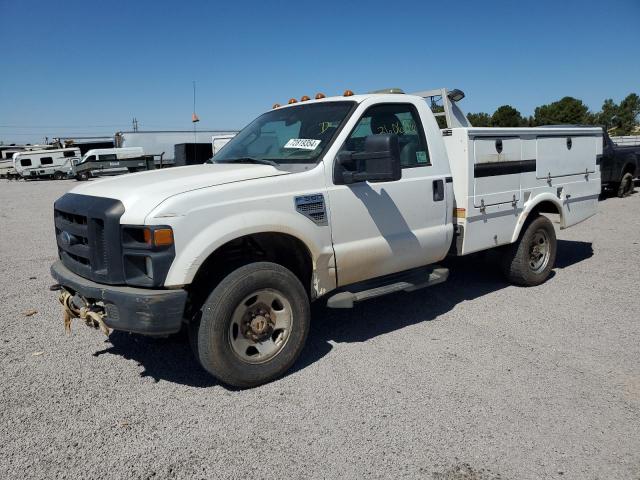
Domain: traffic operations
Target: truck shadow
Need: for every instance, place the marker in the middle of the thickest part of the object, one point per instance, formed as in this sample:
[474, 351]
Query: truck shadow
[170, 359]
[470, 278]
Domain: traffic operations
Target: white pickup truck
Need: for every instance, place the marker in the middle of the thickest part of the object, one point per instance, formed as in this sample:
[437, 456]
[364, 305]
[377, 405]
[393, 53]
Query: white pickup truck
[339, 199]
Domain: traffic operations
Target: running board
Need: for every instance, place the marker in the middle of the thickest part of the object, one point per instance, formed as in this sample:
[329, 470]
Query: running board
[407, 282]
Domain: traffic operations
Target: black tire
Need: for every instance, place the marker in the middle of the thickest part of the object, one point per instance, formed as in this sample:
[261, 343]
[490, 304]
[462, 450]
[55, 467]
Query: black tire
[216, 326]
[521, 264]
[626, 185]
[83, 176]
[58, 175]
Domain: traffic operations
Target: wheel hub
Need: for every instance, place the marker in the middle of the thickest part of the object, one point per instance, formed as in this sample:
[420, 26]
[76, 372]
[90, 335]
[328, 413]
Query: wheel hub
[539, 251]
[258, 324]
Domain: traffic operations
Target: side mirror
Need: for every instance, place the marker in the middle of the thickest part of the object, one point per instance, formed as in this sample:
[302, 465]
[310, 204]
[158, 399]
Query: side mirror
[379, 162]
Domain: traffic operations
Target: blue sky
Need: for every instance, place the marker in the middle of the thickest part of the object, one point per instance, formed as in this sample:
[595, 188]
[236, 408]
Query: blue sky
[87, 67]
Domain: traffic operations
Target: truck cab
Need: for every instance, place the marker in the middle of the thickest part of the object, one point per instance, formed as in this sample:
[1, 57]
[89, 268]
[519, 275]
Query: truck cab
[338, 199]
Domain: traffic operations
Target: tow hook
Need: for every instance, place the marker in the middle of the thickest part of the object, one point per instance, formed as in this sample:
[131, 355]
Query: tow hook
[75, 306]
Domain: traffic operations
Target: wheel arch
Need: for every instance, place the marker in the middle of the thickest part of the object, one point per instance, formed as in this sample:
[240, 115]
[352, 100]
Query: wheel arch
[628, 167]
[277, 247]
[544, 203]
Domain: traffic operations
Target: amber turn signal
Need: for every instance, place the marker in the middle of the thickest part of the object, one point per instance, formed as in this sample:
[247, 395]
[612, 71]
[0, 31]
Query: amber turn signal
[162, 237]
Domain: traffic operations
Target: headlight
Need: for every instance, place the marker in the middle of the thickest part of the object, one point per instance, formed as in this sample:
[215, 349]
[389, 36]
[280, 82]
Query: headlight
[147, 254]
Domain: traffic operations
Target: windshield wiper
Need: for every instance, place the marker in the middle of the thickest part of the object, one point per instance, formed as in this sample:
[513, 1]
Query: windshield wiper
[249, 160]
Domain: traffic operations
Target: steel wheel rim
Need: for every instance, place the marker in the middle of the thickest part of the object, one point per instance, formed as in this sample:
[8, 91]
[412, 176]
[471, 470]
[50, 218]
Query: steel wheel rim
[260, 326]
[539, 251]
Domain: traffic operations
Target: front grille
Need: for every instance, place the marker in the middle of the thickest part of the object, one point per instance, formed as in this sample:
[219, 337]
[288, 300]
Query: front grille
[88, 236]
[72, 235]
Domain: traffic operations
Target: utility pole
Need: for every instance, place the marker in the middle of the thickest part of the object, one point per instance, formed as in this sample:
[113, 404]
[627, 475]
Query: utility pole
[135, 124]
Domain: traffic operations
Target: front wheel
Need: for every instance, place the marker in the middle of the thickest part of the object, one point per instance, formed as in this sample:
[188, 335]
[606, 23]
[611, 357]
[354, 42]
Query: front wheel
[626, 185]
[529, 261]
[58, 175]
[253, 325]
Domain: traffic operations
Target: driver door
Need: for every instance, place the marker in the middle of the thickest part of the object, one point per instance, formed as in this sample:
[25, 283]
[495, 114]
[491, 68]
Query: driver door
[379, 228]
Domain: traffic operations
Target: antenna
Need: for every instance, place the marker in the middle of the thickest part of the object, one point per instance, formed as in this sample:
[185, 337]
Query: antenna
[194, 120]
[135, 124]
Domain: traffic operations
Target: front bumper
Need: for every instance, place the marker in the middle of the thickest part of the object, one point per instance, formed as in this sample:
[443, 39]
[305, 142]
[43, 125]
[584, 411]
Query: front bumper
[139, 310]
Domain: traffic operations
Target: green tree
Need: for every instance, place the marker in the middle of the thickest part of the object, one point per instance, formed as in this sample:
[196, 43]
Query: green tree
[480, 119]
[567, 110]
[628, 112]
[608, 116]
[620, 119]
[506, 116]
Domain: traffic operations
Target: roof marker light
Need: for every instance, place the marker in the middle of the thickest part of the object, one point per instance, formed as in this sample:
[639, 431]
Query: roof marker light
[347, 93]
[304, 98]
[292, 100]
[276, 105]
[320, 95]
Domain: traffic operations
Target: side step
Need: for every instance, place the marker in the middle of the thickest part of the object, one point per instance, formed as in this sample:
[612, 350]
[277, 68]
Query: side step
[407, 282]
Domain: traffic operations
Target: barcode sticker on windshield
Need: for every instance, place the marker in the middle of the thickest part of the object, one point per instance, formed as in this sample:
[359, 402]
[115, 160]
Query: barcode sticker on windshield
[302, 143]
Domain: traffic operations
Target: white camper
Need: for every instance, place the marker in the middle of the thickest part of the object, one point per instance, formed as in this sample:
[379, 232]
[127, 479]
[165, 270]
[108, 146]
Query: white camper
[54, 163]
[6, 169]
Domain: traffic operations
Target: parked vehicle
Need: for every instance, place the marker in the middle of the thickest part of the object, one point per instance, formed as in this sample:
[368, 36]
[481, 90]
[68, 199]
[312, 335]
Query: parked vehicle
[112, 161]
[53, 163]
[7, 170]
[162, 142]
[619, 165]
[338, 199]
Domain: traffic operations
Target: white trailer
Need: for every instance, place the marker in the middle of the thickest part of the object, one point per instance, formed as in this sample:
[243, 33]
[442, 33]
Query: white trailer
[162, 143]
[54, 163]
[219, 141]
[6, 168]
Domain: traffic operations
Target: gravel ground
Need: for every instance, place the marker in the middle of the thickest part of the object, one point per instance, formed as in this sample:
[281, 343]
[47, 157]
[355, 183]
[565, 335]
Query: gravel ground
[471, 379]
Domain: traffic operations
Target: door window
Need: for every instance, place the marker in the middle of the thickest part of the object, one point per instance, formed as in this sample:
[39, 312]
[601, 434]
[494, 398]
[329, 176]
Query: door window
[399, 119]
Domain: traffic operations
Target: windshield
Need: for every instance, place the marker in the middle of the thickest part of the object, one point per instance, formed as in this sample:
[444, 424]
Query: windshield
[289, 135]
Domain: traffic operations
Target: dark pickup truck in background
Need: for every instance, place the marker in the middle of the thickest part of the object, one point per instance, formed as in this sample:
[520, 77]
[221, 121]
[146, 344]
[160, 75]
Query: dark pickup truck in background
[619, 165]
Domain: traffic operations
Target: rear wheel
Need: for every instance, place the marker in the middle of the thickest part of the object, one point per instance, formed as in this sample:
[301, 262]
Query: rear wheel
[83, 176]
[254, 325]
[626, 185]
[529, 261]
[58, 175]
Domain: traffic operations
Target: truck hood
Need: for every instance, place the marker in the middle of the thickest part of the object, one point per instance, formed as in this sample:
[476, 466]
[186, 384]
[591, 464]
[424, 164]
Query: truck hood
[146, 190]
